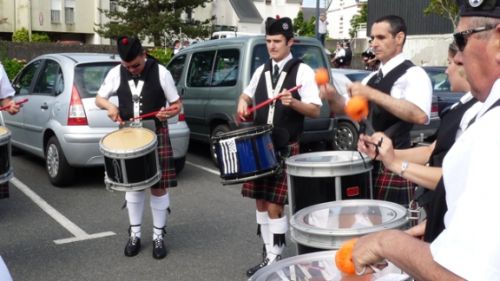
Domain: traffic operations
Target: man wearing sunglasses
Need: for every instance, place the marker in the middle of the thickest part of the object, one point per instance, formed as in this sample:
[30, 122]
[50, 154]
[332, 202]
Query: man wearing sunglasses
[400, 95]
[469, 246]
[144, 86]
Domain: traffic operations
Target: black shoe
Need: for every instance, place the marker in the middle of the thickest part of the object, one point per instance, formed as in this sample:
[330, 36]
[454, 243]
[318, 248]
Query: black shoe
[256, 268]
[133, 246]
[159, 249]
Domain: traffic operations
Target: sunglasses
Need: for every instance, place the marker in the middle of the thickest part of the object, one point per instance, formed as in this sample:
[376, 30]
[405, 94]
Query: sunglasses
[462, 36]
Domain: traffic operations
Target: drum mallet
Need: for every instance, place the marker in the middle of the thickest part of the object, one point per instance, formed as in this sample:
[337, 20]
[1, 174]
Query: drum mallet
[170, 108]
[17, 103]
[264, 103]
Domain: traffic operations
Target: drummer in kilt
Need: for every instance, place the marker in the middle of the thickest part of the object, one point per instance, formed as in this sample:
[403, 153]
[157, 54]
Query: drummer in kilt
[6, 94]
[280, 73]
[143, 86]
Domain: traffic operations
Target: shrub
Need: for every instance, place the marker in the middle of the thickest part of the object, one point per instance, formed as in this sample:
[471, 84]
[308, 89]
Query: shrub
[22, 35]
[12, 66]
[161, 54]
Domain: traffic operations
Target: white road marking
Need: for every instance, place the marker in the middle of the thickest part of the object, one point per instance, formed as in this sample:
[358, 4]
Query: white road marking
[79, 233]
[212, 171]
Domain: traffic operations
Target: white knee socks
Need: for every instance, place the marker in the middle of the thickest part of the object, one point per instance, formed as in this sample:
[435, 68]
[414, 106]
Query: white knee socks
[263, 222]
[159, 206]
[277, 228]
[135, 207]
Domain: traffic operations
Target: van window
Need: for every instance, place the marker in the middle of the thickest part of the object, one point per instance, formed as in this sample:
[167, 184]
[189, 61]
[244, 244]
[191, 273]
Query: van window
[309, 54]
[175, 67]
[200, 69]
[226, 68]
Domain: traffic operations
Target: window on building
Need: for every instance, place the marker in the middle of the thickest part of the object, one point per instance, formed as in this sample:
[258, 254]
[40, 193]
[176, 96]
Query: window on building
[69, 11]
[113, 5]
[268, 2]
[55, 11]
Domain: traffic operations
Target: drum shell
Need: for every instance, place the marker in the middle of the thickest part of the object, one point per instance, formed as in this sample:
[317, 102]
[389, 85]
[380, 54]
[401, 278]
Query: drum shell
[325, 227]
[320, 177]
[253, 154]
[131, 169]
[6, 172]
[320, 266]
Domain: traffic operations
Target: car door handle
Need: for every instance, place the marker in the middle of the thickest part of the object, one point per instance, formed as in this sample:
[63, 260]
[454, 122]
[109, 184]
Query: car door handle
[44, 106]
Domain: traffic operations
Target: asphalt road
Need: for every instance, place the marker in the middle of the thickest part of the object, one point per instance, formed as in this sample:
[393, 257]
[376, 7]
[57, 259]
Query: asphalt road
[79, 232]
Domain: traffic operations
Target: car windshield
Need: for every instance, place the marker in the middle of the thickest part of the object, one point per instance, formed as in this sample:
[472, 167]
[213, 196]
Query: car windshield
[309, 54]
[89, 77]
[357, 76]
[439, 79]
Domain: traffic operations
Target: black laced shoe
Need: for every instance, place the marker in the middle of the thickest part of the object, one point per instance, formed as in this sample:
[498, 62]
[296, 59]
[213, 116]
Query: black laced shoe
[159, 249]
[133, 246]
[261, 265]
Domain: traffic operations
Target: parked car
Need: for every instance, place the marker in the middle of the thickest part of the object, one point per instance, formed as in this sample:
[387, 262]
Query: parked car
[211, 75]
[346, 133]
[61, 123]
[442, 88]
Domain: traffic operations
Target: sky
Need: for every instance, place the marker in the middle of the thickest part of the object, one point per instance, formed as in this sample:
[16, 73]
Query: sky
[312, 3]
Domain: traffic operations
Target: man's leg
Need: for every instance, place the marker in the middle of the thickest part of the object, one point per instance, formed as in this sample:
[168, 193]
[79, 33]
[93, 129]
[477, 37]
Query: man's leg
[135, 207]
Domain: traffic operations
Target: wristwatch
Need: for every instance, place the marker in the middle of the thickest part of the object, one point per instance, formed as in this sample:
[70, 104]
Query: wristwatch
[404, 167]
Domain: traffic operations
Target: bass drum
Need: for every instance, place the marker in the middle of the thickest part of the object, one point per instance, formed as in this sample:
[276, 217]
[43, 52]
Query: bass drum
[5, 155]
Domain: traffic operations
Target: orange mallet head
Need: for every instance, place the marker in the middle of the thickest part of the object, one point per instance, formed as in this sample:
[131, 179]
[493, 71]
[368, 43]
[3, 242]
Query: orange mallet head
[357, 108]
[322, 76]
[343, 257]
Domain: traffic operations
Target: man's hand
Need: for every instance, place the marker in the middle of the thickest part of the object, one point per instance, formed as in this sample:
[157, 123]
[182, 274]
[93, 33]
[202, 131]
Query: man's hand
[358, 89]
[13, 107]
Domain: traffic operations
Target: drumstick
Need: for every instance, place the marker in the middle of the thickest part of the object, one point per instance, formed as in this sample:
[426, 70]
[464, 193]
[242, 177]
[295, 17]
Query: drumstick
[267, 102]
[173, 107]
[17, 103]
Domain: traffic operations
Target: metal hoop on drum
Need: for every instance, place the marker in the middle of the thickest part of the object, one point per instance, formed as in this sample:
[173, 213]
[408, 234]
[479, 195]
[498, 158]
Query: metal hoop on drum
[245, 154]
[328, 225]
[130, 159]
[318, 266]
[6, 171]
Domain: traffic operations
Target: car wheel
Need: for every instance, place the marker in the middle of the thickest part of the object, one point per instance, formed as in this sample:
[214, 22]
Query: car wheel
[345, 136]
[179, 164]
[59, 171]
[217, 131]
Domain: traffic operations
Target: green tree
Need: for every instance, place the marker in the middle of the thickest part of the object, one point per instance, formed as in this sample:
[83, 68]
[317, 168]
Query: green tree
[155, 19]
[303, 27]
[444, 8]
[359, 19]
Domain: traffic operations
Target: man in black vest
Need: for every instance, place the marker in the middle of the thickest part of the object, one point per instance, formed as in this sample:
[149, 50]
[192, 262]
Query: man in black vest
[400, 95]
[280, 73]
[143, 86]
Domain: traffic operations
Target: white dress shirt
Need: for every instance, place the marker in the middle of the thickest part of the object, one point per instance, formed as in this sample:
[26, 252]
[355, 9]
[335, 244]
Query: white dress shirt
[470, 244]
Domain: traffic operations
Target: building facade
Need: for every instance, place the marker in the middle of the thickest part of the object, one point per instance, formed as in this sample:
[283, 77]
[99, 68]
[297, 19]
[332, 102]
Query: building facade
[63, 20]
[339, 15]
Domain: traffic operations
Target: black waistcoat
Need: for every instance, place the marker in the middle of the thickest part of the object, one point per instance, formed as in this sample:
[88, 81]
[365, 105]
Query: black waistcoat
[152, 95]
[434, 202]
[382, 120]
[286, 120]
[435, 219]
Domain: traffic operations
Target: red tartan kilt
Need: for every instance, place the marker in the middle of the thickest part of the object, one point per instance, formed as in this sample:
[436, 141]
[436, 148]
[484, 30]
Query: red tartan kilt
[166, 156]
[391, 187]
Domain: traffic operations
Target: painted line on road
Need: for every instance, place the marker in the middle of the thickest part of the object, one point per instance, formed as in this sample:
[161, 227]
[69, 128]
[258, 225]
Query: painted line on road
[79, 233]
[212, 171]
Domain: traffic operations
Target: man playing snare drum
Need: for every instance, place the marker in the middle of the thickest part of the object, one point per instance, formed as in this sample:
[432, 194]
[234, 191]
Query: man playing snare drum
[144, 86]
[280, 73]
[6, 93]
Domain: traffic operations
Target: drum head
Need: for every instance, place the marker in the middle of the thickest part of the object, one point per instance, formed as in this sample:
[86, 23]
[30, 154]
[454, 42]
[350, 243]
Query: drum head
[328, 225]
[328, 164]
[320, 266]
[128, 140]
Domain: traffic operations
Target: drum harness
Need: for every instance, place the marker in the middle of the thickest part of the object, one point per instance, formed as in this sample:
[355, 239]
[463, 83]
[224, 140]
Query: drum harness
[282, 152]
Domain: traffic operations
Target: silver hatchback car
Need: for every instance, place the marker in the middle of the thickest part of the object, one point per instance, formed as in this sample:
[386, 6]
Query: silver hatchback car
[60, 121]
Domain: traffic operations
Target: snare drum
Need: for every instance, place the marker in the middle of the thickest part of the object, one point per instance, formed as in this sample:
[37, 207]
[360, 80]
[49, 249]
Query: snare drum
[320, 177]
[329, 225]
[245, 154]
[5, 155]
[320, 266]
[130, 159]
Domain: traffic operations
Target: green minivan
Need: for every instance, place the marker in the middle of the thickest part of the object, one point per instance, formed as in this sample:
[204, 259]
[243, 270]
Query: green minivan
[211, 75]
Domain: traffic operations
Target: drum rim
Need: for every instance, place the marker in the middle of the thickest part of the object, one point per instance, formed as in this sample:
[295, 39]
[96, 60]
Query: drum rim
[5, 177]
[296, 222]
[321, 255]
[6, 136]
[243, 132]
[292, 161]
[128, 153]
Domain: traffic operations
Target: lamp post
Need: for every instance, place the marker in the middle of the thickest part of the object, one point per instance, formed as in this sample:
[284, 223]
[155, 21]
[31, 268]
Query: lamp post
[317, 20]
